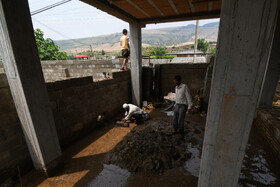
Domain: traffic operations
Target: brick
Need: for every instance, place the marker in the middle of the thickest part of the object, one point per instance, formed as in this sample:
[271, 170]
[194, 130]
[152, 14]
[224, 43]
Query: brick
[5, 94]
[3, 80]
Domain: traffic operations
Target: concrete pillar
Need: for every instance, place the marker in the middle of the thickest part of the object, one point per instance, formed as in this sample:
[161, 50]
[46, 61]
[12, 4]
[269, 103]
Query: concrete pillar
[245, 38]
[273, 71]
[136, 62]
[24, 72]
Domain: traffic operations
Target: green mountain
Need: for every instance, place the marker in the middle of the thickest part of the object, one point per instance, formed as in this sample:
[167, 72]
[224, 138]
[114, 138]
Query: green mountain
[153, 37]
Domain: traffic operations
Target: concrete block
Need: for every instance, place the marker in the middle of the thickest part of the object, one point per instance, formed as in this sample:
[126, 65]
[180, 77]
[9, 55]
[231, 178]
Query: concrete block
[5, 94]
[78, 127]
[3, 80]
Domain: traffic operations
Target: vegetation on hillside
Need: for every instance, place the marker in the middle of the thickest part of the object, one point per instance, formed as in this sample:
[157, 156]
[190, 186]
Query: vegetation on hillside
[205, 46]
[47, 49]
[97, 54]
[202, 45]
[154, 37]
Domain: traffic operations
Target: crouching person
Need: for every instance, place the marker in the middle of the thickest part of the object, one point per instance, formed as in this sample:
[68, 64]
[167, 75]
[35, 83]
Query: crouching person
[133, 111]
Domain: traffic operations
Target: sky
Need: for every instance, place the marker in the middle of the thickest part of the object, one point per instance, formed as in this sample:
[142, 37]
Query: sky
[76, 19]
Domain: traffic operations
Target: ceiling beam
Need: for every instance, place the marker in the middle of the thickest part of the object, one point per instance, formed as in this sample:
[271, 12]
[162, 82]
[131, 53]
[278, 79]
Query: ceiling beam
[182, 17]
[138, 8]
[155, 7]
[210, 6]
[191, 6]
[173, 6]
[111, 9]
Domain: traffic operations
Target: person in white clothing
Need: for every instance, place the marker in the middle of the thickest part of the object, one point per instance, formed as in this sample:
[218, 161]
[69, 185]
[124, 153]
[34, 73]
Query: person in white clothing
[134, 111]
[182, 102]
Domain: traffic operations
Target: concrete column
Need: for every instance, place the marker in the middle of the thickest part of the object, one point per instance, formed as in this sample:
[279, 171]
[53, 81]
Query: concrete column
[136, 62]
[273, 71]
[24, 72]
[245, 37]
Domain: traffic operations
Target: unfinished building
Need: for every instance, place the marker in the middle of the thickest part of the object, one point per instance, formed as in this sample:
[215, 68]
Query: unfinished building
[54, 115]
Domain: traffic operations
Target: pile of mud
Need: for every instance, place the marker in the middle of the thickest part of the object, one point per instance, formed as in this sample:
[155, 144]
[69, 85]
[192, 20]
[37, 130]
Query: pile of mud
[155, 148]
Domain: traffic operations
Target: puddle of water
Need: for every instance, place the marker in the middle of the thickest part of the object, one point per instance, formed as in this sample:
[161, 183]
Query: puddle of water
[193, 164]
[111, 176]
[255, 169]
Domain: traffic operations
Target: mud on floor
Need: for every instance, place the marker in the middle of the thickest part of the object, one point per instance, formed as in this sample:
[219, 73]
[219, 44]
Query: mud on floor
[155, 148]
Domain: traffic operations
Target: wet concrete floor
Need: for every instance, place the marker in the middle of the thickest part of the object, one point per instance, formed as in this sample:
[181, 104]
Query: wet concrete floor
[84, 162]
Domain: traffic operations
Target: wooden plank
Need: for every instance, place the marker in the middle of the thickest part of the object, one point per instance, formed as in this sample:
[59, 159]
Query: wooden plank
[182, 6]
[112, 9]
[182, 17]
[200, 6]
[173, 6]
[156, 7]
[138, 8]
[149, 8]
[191, 6]
[164, 6]
[127, 7]
[210, 6]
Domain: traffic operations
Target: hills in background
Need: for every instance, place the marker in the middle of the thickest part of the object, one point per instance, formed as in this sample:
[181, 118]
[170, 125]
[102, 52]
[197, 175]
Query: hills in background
[155, 37]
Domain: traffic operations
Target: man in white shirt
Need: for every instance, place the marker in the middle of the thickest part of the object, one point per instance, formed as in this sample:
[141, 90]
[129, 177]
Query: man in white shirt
[134, 111]
[183, 100]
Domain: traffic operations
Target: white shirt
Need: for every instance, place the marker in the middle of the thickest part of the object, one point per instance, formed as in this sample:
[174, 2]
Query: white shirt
[183, 95]
[133, 109]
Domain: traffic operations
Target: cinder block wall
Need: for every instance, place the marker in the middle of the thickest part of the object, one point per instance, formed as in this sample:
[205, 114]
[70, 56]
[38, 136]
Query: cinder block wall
[14, 154]
[269, 126]
[192, 74]
[64, 69]
[147, 83]
[76, 103]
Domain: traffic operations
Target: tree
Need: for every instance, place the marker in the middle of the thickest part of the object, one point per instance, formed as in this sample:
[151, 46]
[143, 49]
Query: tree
[213, 50]
[158, 51]
[47, 49]
[202, 45]
[103, 52]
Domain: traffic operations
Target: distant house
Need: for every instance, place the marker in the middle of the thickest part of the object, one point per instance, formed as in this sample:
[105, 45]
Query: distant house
[187, 56]
[200, 59]
[187, 53]
[81, 57]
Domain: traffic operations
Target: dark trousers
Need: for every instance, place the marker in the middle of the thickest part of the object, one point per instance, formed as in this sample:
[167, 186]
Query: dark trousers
[138, 117]
[179, 117]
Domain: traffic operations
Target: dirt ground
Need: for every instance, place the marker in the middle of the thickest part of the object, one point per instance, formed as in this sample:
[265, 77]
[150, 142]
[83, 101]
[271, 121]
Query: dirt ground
[84, 161]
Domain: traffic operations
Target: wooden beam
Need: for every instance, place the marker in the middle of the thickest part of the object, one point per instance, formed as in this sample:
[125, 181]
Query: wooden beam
[210, 6]
[182, 17]
[111, 9]
[191, 6]
[173, 6]
[138, 8]
[155, 7]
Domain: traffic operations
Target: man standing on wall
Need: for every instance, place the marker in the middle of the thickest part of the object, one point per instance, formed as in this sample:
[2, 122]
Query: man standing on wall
[183, 98]
[125, 49]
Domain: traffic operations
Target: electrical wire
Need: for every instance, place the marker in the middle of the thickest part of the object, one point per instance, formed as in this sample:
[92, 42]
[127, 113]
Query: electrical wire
[83, 44]
[49, 7]
[59, 32]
